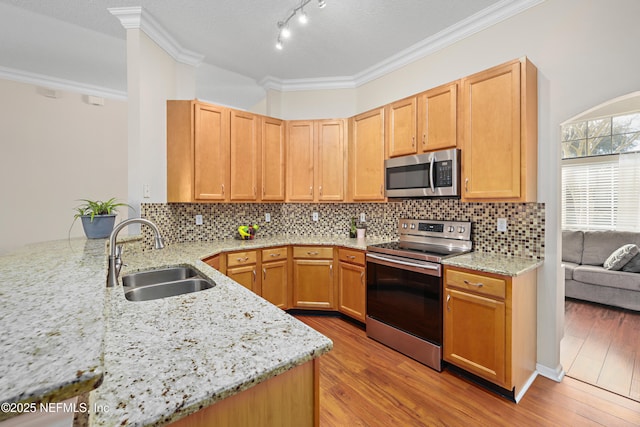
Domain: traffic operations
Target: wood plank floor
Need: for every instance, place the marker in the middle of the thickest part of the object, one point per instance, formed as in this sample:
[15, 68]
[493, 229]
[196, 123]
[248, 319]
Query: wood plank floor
[601, 346]
[364, 383]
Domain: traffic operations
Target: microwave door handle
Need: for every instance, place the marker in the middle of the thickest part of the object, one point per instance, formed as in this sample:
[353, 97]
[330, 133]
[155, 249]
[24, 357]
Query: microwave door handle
[431, 165]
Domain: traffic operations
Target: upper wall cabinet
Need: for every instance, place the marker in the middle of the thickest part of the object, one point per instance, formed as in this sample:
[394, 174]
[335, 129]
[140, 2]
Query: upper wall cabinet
[499, 126]
[315, 160]
[366, 157]
[401, 127]
[438, 118]
[197, 152]
[245, 156]
[273, 160]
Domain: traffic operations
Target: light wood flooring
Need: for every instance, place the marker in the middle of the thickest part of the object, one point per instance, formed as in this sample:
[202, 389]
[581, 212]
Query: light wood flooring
[601, 346]
[364, 383]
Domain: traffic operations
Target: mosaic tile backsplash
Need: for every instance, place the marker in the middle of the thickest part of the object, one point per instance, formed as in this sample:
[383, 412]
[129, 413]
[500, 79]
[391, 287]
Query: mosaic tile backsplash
[524, 236]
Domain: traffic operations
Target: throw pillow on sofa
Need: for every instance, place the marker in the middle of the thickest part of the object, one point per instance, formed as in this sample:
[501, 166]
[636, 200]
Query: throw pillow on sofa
[620, 257]
[633, 266]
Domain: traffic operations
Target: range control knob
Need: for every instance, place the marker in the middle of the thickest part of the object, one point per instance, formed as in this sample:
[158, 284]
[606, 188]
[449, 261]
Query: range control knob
[404, 226]
[451, 229]
[413, 226]
[460, 229]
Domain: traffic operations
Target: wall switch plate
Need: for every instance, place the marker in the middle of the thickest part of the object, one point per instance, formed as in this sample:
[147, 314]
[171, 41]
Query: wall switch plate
[314, 216]
[363, 217]
[267, 217]
[502, 224]
[146, 191]
[198, 219]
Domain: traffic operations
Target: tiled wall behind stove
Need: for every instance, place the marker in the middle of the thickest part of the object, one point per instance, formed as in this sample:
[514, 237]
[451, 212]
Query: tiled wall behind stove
[524, 236]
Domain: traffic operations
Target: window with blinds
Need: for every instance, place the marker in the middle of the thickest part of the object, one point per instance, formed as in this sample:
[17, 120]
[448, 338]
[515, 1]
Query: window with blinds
[601, 193]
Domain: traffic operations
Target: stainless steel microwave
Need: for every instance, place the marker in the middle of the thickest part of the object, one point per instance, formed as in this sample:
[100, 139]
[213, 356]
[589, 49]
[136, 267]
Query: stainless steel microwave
[434, 174]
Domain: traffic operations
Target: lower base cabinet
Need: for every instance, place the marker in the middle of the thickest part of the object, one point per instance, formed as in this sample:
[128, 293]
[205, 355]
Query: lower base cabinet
[289, 399]
[275, 276]
[313, 284]
[352, 286]
[490, 326]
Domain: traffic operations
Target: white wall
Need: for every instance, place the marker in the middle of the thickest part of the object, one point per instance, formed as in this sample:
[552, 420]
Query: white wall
[54, 151]
[586, 53]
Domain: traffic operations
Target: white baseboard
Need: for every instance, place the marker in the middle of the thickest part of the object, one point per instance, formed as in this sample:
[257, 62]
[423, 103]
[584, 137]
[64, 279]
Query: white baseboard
[525, 387]
[556, 374]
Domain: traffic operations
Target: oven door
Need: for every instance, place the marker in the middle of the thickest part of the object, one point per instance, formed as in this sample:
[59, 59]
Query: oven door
[405, 294]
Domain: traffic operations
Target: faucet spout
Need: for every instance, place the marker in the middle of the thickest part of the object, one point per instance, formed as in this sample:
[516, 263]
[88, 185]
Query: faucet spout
[114, 255]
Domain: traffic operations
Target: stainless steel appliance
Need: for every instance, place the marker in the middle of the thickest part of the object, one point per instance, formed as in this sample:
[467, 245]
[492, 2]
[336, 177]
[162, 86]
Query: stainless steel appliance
[405, 286]
[435, 174]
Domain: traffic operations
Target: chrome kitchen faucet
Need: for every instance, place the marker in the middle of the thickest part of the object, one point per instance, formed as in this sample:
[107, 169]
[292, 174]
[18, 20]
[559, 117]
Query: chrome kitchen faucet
[115, 252]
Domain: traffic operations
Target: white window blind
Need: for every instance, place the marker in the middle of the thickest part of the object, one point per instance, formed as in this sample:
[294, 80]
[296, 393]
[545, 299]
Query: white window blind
[601, 193]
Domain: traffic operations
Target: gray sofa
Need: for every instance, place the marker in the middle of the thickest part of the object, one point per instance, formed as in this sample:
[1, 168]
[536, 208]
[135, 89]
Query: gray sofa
[583, 256]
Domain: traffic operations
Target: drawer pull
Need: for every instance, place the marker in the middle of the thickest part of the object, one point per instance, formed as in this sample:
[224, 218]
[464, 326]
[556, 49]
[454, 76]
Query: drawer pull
[313, 253]
[351, 256]
[264, 273]
[254, 275]
[275, 255]
[477, 285]
[245, 259]
[362, 278]
[448, 298]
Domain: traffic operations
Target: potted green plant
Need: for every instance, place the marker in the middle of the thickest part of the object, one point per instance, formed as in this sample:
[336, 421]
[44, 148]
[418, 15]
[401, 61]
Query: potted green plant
[98, 217]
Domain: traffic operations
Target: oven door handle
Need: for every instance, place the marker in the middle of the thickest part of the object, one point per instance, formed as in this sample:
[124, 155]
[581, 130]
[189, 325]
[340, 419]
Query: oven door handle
[410, 264]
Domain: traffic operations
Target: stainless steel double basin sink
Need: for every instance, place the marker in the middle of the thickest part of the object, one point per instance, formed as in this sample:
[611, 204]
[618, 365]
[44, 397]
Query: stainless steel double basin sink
[163, 282]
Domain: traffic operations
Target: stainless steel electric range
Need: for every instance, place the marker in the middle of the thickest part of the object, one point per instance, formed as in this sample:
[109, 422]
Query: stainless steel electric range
[405, 286]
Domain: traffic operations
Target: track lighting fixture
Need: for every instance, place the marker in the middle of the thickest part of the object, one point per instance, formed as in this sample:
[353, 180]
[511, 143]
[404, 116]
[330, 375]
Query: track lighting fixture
[283, 26]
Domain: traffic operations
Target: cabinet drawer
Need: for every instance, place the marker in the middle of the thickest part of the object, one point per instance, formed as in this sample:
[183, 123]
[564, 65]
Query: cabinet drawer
[274, 254]
[351, 255]
[477, 283]
[322, 252]
[241, 258]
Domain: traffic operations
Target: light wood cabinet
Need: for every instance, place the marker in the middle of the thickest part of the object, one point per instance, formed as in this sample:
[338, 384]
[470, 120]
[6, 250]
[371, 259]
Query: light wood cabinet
[245, 156]
[273, 160]
[275, 272]
[366, 157]
[197, 152]
[490, 326]
[242, 267]
[438, 118]
[316, 158]
[401, 127]
[352, 287]
[313, 284]
[499, 133]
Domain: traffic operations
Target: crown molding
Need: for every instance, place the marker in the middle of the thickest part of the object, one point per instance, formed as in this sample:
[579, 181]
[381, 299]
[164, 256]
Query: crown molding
[60, 84]
[139, 18]
[484, 19]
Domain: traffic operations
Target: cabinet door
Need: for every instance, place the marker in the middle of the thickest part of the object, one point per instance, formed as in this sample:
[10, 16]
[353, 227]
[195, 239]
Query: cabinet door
[313, 283]
[211, 152]
[274, 283]
[475, 335]
[245, 152]
[491, 133]
[245, 275]
[366, 157]
[331, 159]
[352, 291]
[300, 161]
[437, 118]
[273, 160]
[401, 127]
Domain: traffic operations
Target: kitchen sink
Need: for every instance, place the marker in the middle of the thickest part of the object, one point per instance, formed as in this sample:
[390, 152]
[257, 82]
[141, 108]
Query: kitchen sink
[163, 283]
[160, 275]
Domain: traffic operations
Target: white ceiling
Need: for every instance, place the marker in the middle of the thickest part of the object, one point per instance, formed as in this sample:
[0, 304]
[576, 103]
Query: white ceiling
[343, 40]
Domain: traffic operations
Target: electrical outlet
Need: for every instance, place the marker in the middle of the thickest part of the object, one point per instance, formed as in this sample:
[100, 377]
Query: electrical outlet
[267, 217]
[198, 219]
[314, 216]
[146, 191]
[502, 224]
[363, 217]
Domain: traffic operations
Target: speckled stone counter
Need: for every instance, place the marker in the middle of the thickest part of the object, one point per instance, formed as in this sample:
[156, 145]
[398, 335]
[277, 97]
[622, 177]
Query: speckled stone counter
[493, 263]
[51, 321]
[167, 358]
[162, 359]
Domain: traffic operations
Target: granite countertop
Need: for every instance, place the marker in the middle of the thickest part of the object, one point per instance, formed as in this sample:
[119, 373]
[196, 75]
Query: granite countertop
[52, 321]
[161, 359]
[494, 263]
